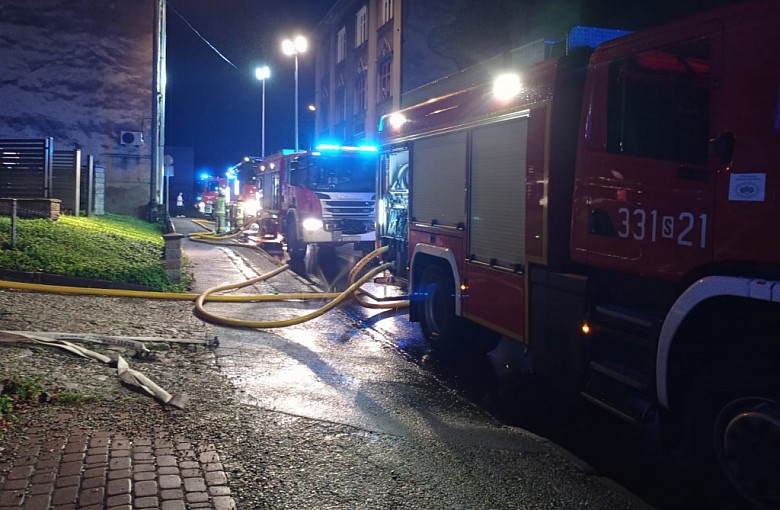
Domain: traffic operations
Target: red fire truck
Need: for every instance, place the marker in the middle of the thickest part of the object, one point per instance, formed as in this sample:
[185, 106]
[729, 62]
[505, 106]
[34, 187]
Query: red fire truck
[209, 189]
[323, 197]
[618, 212]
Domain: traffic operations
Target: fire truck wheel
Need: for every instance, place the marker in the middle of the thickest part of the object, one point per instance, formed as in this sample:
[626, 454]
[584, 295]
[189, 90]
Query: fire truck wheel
[732, 430]
[444, 330]
[296, 250]
[436, 309]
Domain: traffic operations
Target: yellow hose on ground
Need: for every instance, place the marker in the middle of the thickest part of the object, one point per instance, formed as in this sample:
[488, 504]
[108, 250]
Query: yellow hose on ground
[205, 224]
[353, 290]
[401, 303]
[228, 321]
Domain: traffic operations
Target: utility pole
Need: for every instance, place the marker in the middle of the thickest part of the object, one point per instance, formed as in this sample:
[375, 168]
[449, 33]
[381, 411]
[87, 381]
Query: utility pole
[158, 112]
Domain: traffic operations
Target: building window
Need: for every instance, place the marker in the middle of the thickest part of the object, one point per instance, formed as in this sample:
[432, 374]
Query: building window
[341, 44]
[387, 12]
[361, 27]
[385, 48]
[341, 104]
[360, 93]
[383, 79]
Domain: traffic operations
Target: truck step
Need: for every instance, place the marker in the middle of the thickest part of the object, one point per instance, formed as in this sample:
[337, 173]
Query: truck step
[626, 319]
[619, 372]
[618, 389]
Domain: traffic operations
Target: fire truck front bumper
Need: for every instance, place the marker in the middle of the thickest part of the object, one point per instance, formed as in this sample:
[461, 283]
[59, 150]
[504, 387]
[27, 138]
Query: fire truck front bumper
[336, 236]
[341, 230]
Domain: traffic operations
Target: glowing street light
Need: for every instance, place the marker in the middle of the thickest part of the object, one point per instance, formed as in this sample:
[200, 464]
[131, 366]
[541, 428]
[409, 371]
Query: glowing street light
[293, 47]
[263, 73]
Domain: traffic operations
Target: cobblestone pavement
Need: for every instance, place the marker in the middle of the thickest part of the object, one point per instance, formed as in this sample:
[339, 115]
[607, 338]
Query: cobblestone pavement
[120, 449]
[57, 467]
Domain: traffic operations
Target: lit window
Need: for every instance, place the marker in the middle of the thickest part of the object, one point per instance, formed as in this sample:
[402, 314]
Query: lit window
[361, 27]
[341, 44]
[387, 11]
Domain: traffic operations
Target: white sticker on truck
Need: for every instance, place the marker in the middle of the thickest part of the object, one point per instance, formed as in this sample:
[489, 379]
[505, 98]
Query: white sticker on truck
[747, 187]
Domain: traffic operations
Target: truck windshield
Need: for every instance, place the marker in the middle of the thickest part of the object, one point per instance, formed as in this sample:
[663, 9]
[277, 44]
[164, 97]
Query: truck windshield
[342, 174]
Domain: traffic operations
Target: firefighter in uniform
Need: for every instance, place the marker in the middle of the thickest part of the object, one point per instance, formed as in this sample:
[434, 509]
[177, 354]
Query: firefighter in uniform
[220, 208]
[239, 211]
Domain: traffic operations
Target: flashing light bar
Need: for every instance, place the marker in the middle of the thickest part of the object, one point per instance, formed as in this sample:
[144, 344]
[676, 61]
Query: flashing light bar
[591, 36]
[350, 148]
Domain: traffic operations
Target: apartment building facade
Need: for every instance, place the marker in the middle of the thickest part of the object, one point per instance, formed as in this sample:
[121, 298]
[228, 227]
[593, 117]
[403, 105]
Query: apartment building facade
[357, 69]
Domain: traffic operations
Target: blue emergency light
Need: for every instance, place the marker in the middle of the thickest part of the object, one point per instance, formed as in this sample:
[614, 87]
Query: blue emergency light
[592, 36]
[349, 148]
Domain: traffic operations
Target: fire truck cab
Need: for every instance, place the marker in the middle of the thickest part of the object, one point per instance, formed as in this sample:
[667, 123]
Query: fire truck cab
[616, 211]
[210, 187]
[324, 197]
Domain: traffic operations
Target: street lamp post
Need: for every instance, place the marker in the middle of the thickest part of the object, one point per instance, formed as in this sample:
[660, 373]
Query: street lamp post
[313, 121]
[262, 73]
[293, 47]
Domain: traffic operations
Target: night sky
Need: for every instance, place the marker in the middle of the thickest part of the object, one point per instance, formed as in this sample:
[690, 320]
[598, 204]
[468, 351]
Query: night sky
[215, 107]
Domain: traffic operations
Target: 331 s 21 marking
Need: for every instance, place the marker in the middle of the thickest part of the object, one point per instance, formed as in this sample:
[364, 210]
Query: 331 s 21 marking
[685, 228]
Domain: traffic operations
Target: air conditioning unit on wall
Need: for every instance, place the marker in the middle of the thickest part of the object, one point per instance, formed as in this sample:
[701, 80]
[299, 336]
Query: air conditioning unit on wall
[131, 138]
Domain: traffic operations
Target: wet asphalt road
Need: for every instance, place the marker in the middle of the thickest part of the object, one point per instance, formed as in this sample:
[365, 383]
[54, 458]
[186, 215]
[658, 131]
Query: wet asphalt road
[313, 384]
[633, 455]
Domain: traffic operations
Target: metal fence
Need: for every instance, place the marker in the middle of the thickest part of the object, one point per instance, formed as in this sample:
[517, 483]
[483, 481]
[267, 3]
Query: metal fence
[66, 180]
[26, 168]
[46, 182]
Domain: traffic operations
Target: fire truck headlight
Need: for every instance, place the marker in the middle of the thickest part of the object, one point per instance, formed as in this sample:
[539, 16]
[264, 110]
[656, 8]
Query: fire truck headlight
[506, 86]
[250, 208]
[397, 120]
[312, 224]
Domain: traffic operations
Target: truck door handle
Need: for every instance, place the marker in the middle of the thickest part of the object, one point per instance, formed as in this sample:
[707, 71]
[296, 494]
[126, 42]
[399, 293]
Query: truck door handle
[693, 174]
[723, 147]
[600, 224]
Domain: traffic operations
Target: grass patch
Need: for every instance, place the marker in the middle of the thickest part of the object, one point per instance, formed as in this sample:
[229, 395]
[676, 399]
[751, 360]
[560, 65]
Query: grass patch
[16, 394]
[111, 247]
[74, 397]
[28, 389]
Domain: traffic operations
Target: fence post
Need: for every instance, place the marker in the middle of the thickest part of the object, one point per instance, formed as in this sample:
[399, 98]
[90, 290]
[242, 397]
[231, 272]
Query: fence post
[13, 224]
[173, 242]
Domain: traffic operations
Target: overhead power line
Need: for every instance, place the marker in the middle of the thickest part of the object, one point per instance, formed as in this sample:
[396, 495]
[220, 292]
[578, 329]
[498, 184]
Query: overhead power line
[199, 35]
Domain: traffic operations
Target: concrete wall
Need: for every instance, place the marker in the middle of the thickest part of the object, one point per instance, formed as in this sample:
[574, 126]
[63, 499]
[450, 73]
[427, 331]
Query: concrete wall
[81, 71]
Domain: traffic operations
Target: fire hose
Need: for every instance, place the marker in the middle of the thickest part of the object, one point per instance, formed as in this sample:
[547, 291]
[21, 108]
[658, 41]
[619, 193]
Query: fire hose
[352, 291]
